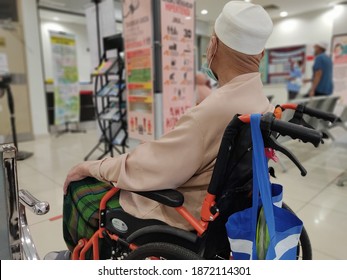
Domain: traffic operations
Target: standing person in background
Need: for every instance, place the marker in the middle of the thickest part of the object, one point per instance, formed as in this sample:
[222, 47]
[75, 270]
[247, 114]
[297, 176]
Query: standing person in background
[203, 88]
[322, 80]
[294, 80]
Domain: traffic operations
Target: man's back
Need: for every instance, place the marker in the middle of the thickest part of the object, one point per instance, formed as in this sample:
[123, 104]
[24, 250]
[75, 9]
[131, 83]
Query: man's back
[324, 63]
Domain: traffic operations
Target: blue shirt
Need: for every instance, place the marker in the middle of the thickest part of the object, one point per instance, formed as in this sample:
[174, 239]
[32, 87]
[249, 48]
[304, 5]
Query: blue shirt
[324, 63]
[295, 84]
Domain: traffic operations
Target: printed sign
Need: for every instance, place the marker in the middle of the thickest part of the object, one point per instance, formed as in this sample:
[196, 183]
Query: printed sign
[339, 55]
[178, 70]
[65, 74]
[279, 62]
[138, 40]
[3, 64]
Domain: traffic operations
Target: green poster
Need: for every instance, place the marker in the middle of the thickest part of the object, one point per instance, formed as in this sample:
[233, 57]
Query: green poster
[65, 75]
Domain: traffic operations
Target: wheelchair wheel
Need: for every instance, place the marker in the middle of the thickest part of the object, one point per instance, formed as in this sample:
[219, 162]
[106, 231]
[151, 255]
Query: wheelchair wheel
[304, 250]
[162, 251]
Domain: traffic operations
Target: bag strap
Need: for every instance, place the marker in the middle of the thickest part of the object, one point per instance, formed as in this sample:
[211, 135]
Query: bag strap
[261, 180]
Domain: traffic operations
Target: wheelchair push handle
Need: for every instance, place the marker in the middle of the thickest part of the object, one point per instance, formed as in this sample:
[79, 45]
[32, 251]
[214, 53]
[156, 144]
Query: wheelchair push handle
[269, 123]
[297, 132]
[320, 114]
[312, 112]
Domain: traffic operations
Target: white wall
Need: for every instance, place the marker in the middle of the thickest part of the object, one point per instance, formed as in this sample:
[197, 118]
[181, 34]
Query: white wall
[83, 55]
[304, 29]
[34, 67]
[340, 23]
[203, 28]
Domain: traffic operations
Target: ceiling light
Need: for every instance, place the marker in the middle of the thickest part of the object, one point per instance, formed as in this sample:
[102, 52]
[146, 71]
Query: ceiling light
[56, 18]
[338, 10]
[247, 0]
[204, 12]
[283, 14]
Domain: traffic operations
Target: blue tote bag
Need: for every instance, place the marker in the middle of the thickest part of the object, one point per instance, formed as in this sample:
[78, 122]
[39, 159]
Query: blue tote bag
[246, 229]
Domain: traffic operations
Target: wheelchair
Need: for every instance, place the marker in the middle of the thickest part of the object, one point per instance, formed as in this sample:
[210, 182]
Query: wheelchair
[122, 236]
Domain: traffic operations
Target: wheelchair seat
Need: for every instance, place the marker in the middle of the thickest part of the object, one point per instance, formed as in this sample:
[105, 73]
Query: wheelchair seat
[131, 229]
[123, 224]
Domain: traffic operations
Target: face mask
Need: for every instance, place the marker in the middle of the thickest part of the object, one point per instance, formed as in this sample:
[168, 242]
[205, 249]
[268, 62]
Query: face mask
[206, 67]
[207, 70]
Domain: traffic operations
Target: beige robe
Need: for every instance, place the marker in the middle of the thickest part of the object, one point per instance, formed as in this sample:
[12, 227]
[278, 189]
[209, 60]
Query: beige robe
[184, 158]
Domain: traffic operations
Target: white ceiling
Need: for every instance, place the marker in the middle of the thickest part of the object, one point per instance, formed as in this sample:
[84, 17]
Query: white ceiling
[293, 7]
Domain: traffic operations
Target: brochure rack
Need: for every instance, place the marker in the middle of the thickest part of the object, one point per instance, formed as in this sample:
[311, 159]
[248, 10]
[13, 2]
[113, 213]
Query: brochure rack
[109, 98]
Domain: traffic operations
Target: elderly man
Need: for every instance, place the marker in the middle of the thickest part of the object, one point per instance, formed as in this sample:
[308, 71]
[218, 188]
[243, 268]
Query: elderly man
[184, 158]
[322, 80]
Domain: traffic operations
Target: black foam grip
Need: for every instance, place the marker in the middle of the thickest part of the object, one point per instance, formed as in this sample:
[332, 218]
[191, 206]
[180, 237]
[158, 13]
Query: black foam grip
[297, 132]
[320, 114]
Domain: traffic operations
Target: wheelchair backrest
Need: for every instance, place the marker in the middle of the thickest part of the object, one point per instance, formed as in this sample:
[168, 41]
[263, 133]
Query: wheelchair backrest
[232, 173]
[231, 183]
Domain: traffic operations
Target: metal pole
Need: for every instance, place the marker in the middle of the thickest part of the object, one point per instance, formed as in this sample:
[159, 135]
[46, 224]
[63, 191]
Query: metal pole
[21, 155]
[11, 109]
[98, 27]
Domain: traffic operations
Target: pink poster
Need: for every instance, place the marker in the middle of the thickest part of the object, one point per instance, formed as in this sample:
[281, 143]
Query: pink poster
[339, 55]
[138, 38]
[177, 31]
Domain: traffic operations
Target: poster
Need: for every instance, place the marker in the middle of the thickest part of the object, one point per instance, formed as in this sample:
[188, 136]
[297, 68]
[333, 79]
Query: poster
[138, 40]
[65, 75]
[3, 64]
[178, 67]
[279, 61]
[339, 56]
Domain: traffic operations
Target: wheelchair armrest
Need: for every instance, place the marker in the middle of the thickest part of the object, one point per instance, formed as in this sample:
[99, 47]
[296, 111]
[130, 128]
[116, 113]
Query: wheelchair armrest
[171, 198]
[36, 206]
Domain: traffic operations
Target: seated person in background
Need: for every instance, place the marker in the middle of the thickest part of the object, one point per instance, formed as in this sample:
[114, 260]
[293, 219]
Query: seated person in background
[203, 88]
[294, 80]
[183, 158]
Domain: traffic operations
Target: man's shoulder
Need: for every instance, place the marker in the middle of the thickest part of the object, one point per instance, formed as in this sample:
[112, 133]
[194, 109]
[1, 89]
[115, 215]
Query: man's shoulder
[321, 61]
[323, 57]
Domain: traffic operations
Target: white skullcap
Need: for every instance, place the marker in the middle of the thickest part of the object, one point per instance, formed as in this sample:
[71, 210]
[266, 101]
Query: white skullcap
[244, 27]
[322, 45]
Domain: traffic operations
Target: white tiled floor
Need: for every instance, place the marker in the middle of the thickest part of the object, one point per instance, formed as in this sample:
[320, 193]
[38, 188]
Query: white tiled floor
[315, 198]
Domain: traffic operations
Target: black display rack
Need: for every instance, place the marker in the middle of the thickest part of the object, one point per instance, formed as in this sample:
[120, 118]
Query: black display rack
[5, 81]
[110, 99]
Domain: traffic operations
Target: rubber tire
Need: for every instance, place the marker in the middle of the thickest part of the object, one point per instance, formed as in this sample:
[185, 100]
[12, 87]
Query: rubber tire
[161, 250]
[304, 251]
